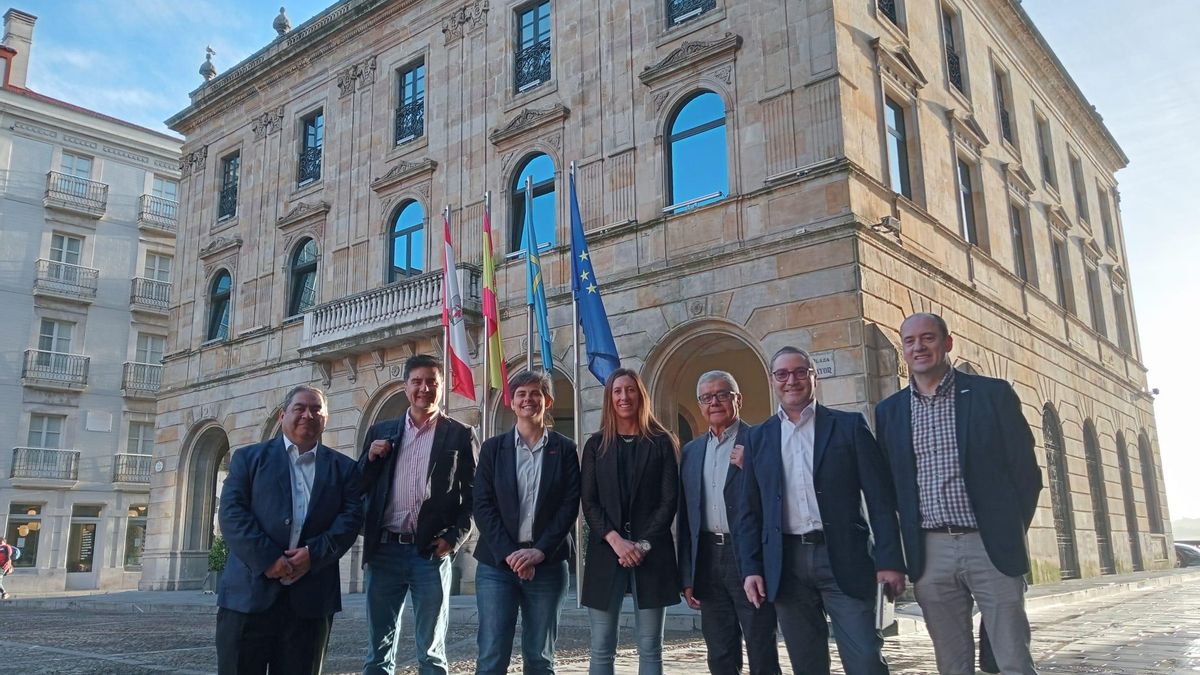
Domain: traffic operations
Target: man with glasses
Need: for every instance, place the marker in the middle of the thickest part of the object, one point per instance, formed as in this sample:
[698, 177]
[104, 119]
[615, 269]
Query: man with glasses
[711, 473]
[803, 537]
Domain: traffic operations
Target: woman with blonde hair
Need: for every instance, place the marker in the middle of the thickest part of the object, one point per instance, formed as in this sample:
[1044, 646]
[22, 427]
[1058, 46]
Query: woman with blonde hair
[630, 480]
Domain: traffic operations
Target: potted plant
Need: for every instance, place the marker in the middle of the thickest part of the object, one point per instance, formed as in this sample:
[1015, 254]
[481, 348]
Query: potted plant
[217, 555]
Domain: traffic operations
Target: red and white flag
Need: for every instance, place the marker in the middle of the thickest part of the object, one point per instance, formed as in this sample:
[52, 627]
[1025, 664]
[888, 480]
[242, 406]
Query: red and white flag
[452, 320]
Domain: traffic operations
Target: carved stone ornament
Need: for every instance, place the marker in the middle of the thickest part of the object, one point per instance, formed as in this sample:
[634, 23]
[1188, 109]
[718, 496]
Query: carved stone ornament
[660, 99]
[402, 172]
[219, 244]
[1019, 182]
[356, 76]
[529, 118]
[267, 123]
[724, 73]
[193, 162]
[900, 67]
[690, 54]
[302, 212]
[464, 19]
[967, 131]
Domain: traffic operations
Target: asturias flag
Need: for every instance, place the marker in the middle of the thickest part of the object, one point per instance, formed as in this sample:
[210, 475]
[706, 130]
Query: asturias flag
[495, 373]
[536, 289]
[452, 318]
[601, 348]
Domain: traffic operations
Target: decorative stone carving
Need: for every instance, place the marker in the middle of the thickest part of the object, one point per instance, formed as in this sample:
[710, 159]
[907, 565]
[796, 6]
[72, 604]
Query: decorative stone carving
[403, 171]
[282, 24]
[193, 162]
[1019, 182]
[690, 54]
[267, 123]
[529, 118]
[356, 76]
[660, 99]
[302, 212]
[207, 70]
[464, 19]
[425, 189]
[967, 131]
[724, 73]
[219, 244]
[900, 67]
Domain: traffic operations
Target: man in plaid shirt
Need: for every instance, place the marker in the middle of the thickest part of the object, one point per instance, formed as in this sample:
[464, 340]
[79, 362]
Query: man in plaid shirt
[967, 484]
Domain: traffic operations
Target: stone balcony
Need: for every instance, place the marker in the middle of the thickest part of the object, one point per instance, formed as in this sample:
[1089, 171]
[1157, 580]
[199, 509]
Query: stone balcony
[77, 195]
[132, 470]
[157, 215]
[384, 316]
[44, 467]
[150, 296]
[65, 281]
[55, 370]
[141, 380]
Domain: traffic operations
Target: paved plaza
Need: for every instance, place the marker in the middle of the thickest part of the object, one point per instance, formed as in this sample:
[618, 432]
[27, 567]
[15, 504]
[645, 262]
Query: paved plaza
[1149, 624]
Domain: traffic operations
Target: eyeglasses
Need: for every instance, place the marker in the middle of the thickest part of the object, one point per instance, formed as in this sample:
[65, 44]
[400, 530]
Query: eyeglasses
[720, 396]
[783, 375]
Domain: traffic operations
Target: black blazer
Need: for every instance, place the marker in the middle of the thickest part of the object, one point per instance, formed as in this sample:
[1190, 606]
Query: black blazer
[999, 467]
[446, 511]
[691, 500]
[847, 465]
[655, 486]
[498, 502]
[256, 522]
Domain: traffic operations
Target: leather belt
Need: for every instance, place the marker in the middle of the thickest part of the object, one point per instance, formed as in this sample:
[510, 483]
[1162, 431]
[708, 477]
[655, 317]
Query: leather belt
[950, 529]
[716, 538]
[525, 544]
[814, 537]
[387, 536]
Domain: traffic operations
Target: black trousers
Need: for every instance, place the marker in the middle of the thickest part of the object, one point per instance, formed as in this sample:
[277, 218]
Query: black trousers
[275, 641]
[726, 615]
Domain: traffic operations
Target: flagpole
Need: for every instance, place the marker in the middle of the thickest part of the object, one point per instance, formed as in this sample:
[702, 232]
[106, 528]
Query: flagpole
[447, 371]
[577, 421]
[530, 241]
[487, 343]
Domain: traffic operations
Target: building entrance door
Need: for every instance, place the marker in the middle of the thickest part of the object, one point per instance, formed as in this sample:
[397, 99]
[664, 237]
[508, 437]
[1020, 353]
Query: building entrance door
[82, 544]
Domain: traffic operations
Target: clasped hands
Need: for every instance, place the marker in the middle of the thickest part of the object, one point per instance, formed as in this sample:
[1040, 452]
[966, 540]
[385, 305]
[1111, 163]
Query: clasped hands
[293, 564]
[524, 562]
[629, 554]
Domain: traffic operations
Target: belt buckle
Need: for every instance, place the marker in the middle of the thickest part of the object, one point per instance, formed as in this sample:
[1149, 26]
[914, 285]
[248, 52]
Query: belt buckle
[722, 538]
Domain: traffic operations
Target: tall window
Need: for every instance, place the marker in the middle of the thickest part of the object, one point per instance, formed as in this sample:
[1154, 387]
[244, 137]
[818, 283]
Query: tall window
[408, 242]
[696, 147]
[1021, 266]
[1095, 470]
[533, 46]
[24, 526]
[141, 438]
[230, 173]
[410, 104]
[897, 147]
[953, 58]
[1131, 520]
[311, 141]
[1060, 493]
[1150, 484]
[1046, 151]
[966, 203]
[149, 348]
[303, 278]
[135, 536]
[679, 11]
[45, 431]
[1106, 222]
[541, 169]
[1095, 300]
[1122, 318]
[76, 166]
[1004, 108]
[65, 249]
[55, 336]
[165, 188]
[1064, 292]
[888, 9]
[1077, 184]
[158, 267]
[219, 301]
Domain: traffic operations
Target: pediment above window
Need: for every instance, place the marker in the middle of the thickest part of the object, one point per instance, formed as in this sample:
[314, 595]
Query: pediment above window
[967, 131]
[690, 54]
[1058, 218]
[220, 244]
[403, 172]
[1018, 180]
[899, 66]
[527, 120]
[301, 213]
[1091, 250]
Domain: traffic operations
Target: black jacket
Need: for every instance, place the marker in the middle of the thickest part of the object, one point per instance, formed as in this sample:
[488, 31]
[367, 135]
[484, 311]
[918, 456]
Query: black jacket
[498, 502]
[446, 511]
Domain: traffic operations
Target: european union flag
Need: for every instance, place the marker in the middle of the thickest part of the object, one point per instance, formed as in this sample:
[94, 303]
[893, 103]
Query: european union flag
[536, 290]
[601, 348]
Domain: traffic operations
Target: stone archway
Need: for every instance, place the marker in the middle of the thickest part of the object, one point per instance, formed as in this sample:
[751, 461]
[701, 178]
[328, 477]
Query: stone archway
[200, 483]
[390, 403]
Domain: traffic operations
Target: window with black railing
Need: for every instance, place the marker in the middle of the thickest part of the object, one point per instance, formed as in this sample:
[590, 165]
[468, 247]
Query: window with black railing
[410, 108]
[312, 141]
[532, 63]
[679, 11]
[230, 173]
[888, 9]
[953, 60]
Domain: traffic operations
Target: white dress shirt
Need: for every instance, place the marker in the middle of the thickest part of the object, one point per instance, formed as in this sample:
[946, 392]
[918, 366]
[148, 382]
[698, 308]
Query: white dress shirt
[529, 478]
[800, 511]
[717, 452]
[303, 471]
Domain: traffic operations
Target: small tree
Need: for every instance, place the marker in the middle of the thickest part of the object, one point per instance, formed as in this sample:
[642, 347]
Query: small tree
[217, 554]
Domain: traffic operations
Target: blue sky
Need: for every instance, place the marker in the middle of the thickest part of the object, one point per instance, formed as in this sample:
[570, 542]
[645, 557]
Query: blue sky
[138, 59]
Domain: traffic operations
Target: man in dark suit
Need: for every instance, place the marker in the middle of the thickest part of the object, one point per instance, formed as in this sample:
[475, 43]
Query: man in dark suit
[803, 541]
[967, 482]
[526, 503]
[417, 474]
[711, 479]
[290, 508]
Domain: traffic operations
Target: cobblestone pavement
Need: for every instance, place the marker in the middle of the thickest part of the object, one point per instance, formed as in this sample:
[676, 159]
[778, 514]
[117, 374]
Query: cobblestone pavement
[1150, 631]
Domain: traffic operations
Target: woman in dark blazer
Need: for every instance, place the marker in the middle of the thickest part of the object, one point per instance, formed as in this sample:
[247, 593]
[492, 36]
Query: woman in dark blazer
[630, 479]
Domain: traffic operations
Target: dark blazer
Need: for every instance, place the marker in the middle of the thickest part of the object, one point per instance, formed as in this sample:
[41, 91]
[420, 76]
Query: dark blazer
[999, 467]
[256, 522]
[446, 511]
[691, 500]
[498, 501]
[655, 486]
[847, 465]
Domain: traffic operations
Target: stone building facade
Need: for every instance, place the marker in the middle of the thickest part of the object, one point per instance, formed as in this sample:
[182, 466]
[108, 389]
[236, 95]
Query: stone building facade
[750, 174]
[87, 241]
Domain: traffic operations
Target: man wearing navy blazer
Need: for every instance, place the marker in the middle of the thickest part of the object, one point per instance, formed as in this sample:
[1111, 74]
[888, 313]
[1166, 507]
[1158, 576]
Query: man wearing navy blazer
[290, 508]
[526, 503]
[711, 480]
[417, 474]
[804, 541]
[967, 481]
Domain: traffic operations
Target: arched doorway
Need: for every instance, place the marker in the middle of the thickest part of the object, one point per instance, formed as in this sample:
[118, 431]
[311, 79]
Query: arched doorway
[1095, 467]
[1131, 521]
[204, 464]
[1150, 484]
[388, 405]
[1060, 493]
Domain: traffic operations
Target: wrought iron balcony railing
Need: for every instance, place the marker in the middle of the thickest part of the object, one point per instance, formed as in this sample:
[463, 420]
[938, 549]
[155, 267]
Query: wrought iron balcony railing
[46, 463]
[954, 69]
[679, 11]
[65, 280]
[129, 468]
[227, 203]
[55, 369]
[532, 65]
[410, 121]
[150, 294]
[142, 379]
[76, 194]
[310, 165]
[888, 9]
[158, 213]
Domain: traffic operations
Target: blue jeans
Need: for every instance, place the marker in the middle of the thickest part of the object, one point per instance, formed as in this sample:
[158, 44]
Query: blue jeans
[649, 624]
[394, 571]
[500, 594]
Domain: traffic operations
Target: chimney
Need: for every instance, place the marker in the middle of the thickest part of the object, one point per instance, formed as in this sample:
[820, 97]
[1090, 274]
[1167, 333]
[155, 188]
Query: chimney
[18, 35]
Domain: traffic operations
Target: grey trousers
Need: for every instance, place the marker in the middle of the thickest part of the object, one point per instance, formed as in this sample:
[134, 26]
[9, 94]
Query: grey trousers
[958, 573]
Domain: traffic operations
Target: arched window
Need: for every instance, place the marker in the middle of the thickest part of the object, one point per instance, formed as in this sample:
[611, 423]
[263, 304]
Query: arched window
[1131, 521]
[303, 278]
[219, 301]
[1060, 493]
[1150, 484]
[540, 168]
[699, 173]
[408, 242]
[1095, 470]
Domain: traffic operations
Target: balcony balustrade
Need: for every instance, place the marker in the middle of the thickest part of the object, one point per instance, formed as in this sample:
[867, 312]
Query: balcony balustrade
[45, 464]
[150, 295]
[129, 468]
[65, 281]
[80, 195]
[55, 370]
[157, 214]
[141, 380]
